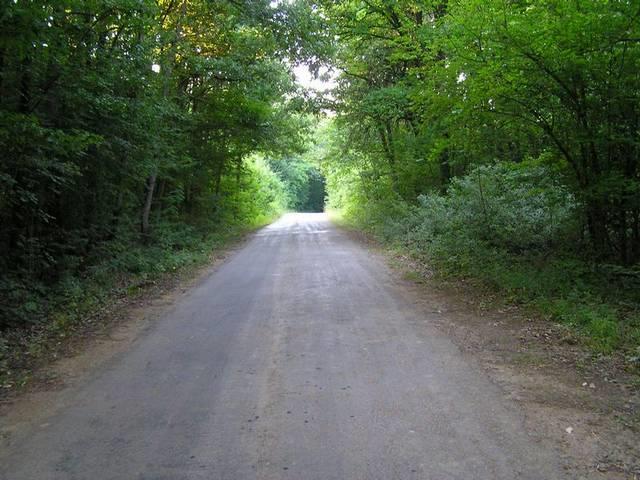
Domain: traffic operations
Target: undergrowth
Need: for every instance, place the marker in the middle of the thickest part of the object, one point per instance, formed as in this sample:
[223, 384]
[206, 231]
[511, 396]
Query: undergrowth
[506, 230]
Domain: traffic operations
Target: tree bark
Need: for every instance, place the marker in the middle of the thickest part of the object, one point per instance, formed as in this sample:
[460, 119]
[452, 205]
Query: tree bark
[146, 210]
[167, 70]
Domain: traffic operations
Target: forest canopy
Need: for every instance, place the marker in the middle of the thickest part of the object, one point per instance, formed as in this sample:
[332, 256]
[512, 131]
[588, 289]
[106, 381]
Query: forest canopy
[128, 129]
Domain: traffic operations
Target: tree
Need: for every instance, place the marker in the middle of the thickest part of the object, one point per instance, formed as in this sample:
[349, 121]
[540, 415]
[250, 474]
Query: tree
[531, 62]
[430, 89]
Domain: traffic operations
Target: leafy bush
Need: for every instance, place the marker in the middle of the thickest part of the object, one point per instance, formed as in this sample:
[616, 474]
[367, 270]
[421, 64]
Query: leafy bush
[508, 226]
[519, 208]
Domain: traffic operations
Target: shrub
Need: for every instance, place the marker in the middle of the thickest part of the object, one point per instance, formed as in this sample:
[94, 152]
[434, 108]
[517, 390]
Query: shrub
[518, 208]
[508, 226]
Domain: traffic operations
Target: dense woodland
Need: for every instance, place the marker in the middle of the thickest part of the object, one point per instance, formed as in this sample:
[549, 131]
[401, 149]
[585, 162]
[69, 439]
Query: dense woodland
[494, 140]
[498, 141]
[132, 131]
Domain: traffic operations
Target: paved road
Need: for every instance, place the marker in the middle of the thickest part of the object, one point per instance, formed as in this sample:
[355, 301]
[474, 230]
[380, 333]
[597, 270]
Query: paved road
[300, 358]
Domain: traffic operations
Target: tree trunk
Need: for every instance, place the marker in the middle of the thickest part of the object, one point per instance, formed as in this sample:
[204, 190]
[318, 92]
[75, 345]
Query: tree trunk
[159, 198]
[218, 177]
[146, 210]
[25, 87]
[597, 226]
[386, 138]
[445, 167]
[445, 170]
[167, 69]
[635, 237]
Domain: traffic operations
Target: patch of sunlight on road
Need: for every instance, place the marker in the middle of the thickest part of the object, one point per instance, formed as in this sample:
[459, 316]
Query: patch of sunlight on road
[295, 223]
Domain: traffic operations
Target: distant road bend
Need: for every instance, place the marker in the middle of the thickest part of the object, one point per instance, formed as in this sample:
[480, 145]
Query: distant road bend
[300, 358]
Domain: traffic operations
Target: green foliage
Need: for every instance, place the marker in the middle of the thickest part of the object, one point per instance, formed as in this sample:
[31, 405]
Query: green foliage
[113, 168]
[253, 197]
[517, 208]
[497, 140]
[303, 183]
[507, 227]
[537, 66]
[429, 90]
[73, 302]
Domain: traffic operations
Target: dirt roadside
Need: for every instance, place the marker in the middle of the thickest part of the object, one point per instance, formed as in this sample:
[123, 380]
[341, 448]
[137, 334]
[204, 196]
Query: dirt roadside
[589, 405]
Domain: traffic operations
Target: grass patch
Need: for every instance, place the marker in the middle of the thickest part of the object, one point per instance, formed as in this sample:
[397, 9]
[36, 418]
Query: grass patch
[565, 291]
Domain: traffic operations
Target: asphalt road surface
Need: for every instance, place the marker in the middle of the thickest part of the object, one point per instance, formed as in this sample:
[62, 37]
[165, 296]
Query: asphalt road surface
[300, 358]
